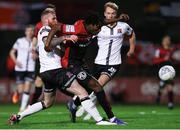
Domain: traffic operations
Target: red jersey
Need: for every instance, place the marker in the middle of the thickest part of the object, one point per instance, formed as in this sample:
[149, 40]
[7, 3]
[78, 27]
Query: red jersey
[76, 29]
[37, 28]
[76, 52]
[162, 56]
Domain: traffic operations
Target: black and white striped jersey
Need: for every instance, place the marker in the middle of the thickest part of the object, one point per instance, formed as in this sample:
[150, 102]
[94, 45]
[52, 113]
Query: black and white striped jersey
[110, 40]
[24, 54]
[48, 60]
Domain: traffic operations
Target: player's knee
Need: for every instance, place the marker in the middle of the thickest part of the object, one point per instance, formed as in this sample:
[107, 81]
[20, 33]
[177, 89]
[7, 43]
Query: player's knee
[102, 83]
[38, 82]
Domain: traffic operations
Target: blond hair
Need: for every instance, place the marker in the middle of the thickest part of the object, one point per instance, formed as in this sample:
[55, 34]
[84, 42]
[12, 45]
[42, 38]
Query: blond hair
[111, 5]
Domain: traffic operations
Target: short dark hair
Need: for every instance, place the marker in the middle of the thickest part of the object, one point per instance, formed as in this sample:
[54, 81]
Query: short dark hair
[94, 19]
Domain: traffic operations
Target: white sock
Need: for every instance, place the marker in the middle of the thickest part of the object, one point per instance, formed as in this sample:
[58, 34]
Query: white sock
[74, 98]
[112, 119]
[93, 98]
[24, 101]
[31, 109]
[91, 109]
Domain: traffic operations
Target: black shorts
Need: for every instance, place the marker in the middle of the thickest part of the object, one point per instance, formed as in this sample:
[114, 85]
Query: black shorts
[57, 79]
[163, 83]
[109, 70]
[82, 75]
[23, 76]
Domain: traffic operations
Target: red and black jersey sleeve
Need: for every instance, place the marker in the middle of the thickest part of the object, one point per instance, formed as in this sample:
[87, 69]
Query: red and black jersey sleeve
[79, 30]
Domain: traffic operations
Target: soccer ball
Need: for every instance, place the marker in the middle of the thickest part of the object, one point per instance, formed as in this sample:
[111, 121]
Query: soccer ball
[167, 72]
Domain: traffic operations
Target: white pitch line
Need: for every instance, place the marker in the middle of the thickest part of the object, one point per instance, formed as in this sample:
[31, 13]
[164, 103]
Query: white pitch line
[156, 113]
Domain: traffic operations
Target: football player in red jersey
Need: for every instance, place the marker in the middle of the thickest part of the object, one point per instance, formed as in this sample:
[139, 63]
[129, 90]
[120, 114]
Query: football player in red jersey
[163, 57]
[84, 29]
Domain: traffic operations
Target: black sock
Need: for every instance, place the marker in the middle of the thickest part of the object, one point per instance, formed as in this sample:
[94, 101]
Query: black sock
[77, 101]
[170, 96]
[36, 95]
[101, 97]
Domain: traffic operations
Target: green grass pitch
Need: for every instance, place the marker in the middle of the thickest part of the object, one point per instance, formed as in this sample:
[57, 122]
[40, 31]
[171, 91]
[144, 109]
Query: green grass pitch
[57, 117]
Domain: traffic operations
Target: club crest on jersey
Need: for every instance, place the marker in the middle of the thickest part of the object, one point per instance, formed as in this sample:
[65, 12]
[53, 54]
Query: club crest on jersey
[82, 75]
[119, 30]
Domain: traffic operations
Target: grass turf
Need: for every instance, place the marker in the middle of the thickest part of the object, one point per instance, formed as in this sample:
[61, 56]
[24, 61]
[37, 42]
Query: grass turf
[57, 117]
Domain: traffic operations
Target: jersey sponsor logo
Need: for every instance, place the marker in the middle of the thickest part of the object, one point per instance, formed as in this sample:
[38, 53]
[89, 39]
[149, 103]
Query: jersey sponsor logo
[112, 70]
[119, 30]
[82, 75]
[70, 28]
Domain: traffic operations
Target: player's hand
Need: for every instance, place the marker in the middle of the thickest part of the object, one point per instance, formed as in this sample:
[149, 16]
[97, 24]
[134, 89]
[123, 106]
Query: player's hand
[34, 54]
[124, 17]
[130, 53]
[19, 64]
[72, 38]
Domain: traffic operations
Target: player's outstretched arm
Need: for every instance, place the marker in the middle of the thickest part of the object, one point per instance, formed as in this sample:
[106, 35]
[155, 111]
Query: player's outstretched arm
[62, 40]
[122, 17]
[132, 42]
[51, 41]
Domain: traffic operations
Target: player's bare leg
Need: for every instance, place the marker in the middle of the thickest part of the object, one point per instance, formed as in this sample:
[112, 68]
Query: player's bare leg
[103, 79]
[49, 98]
